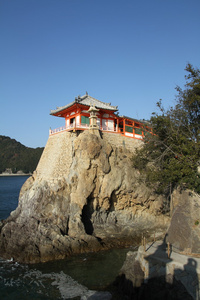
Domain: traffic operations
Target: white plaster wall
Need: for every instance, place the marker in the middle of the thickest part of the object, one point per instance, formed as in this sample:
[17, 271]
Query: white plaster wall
[78, 120]
[110, 124]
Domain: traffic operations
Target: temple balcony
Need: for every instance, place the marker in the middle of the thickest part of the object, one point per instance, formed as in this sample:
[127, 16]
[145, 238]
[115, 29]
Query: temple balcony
[72, 127]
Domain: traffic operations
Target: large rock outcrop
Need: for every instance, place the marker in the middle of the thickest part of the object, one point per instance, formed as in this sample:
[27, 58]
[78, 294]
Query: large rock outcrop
[83, 196]
[184, 229]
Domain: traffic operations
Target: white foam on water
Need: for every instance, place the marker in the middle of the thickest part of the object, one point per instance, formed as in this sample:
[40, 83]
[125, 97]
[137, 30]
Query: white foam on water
[10, 260]
[59, 285]
[67, 286]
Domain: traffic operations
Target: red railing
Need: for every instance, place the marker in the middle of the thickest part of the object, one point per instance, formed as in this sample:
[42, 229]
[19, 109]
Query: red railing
[86, 126]
[79, 126]
[68, 128]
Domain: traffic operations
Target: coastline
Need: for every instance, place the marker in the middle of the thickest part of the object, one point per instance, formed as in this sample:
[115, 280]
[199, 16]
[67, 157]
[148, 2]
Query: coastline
[7, 175]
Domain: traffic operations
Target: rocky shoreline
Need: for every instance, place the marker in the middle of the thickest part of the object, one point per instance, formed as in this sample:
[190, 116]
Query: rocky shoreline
[9, 172]
[84, 196]
[151, 274]
[10, 175]
[168, 268]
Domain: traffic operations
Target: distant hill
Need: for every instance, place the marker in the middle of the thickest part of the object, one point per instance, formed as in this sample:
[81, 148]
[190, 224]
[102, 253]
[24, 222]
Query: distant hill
[18, 157]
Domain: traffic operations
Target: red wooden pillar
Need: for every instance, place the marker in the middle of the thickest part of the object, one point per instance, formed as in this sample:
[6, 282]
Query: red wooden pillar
[100, 121]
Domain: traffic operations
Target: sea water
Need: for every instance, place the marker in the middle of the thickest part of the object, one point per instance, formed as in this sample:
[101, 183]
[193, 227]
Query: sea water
[71, 278]
[9, 193]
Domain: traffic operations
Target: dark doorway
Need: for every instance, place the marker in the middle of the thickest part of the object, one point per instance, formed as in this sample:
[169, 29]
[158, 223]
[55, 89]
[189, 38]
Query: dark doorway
[72, 121]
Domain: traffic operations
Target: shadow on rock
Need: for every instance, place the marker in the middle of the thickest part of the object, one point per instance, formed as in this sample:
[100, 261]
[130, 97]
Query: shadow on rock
[165, 288]
[131, 284]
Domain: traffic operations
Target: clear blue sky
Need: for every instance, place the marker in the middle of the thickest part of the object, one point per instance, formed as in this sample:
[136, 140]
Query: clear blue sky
[130, 53]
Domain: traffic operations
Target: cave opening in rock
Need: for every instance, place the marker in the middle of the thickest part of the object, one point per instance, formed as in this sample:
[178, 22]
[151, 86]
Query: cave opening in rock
[86, 216]
[113, 201]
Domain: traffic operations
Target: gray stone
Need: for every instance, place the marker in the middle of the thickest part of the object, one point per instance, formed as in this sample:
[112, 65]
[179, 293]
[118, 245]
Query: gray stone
[93, 295]
[184, 229]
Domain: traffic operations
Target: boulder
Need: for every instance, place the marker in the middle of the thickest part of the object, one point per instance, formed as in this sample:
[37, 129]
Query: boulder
[184, 229]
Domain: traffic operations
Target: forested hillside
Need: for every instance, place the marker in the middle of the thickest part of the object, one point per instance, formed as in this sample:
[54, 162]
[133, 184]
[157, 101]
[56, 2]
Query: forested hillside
[18, 157]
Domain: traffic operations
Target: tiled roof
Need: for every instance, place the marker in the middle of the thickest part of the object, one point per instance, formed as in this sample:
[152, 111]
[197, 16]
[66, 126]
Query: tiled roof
[87, 101]
[136, 120]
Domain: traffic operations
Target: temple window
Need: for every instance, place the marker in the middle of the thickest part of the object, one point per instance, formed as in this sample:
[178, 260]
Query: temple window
[85, 120]
[129, 129]
[138, 131]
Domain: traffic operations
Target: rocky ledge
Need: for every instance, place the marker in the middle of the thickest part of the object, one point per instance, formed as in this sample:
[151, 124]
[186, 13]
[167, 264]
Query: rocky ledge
[83, 196]
[160, 284]
[169, 268]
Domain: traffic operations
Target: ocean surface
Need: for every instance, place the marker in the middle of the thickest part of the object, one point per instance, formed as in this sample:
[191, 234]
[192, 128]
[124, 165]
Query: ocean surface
[71, 278]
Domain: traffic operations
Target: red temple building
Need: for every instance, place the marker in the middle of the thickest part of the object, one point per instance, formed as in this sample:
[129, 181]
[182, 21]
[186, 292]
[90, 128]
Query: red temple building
[77, 117]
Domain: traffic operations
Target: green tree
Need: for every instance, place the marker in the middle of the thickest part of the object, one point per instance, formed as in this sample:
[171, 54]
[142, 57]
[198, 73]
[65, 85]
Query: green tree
[171, 156]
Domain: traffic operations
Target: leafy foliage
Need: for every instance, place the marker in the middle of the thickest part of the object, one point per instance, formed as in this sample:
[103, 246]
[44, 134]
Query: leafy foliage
[171, 156]
[18, 157]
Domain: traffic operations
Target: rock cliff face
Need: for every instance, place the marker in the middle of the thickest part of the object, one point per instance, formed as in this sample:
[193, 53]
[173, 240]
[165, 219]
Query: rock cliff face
[83, 196]
[184, 229]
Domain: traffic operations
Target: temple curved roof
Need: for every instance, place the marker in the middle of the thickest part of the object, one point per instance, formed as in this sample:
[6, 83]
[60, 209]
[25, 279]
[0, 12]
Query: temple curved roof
[87, 101]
